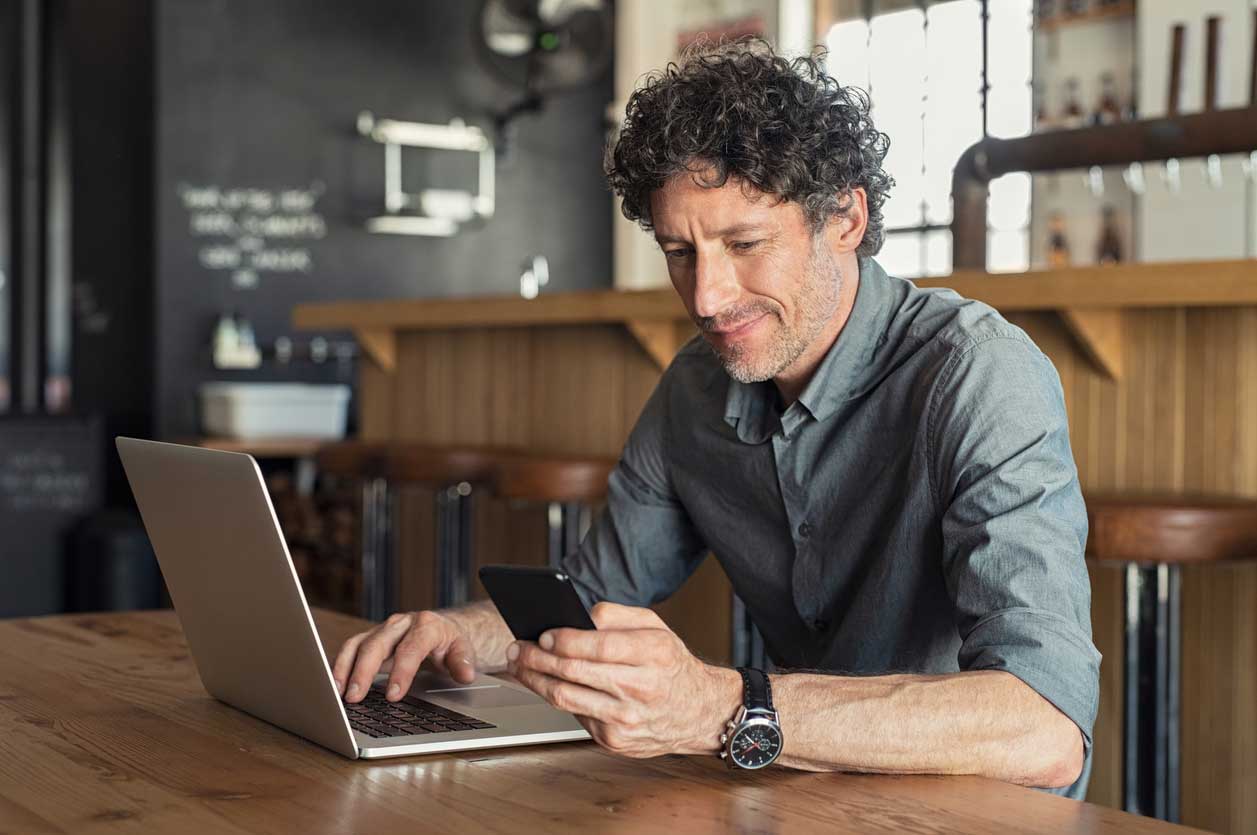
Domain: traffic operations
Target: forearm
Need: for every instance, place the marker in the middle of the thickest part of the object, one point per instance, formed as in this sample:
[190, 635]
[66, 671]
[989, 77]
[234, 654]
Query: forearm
[987, 722]
[488, 633]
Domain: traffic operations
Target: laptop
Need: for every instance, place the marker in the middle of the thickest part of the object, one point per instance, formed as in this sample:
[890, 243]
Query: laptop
[249, 629]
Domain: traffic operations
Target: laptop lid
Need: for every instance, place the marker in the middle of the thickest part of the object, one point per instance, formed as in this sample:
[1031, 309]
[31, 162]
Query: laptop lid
[234, 587]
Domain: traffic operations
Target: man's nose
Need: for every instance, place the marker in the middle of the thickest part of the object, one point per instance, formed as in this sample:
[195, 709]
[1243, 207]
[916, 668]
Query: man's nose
[715, 285]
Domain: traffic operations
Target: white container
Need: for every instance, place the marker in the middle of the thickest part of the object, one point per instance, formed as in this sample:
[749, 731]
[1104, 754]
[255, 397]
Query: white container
[269, 410]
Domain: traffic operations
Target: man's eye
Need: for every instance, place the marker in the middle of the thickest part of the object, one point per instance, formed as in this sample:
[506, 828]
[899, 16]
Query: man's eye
[745, 246]
[677, 254]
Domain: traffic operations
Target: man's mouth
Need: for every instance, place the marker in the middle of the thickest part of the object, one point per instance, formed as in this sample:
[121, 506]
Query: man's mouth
[737, 329]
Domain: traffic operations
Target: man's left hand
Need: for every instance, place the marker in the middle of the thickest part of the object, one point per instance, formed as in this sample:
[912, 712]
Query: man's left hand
[632, 683]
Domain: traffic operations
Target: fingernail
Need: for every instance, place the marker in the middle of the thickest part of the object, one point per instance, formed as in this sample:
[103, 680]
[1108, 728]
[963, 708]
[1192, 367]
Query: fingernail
[547, 641]
[353, 690]
[340, 686]
[512, 652]
[394, 691]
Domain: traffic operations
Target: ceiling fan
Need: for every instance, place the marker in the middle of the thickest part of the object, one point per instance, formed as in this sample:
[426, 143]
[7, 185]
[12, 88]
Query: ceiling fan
[544, 47]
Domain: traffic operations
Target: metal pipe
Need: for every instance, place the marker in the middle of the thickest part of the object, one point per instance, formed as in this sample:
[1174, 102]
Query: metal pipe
[1211, 62]
[28, 209]
[1199, 135]
[8, 86]
[1177, 39]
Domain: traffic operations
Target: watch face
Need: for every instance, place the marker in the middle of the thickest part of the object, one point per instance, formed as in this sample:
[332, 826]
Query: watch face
[755, 745]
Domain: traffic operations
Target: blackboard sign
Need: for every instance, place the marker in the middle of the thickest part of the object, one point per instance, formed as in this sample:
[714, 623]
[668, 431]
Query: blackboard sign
[50, 479]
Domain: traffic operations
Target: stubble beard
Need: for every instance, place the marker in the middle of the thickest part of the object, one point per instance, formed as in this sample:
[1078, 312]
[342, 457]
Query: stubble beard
[815, 304]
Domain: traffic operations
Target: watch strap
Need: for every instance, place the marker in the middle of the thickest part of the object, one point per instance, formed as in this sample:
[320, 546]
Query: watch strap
[756, 689]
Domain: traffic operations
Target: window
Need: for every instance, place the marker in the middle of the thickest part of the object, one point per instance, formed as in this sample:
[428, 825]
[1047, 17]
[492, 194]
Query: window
[923, 67]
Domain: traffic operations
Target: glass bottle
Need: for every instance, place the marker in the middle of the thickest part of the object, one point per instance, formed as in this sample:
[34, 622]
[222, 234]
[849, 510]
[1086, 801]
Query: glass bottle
[1109, 247]
[1058, 243]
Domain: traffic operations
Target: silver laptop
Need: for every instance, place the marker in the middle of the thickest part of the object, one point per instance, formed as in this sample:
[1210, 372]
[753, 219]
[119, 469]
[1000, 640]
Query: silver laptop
[247, 624]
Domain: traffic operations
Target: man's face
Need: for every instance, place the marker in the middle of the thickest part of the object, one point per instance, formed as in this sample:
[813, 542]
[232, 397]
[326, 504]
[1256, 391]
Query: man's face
[757, 282]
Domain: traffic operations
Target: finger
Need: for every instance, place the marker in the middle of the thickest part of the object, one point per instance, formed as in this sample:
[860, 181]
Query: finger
[345, 660]
[460, 661]
[608, 678]
[408, 655]
[621, 646]
[371, 655]
[570, 697]
[617, 616]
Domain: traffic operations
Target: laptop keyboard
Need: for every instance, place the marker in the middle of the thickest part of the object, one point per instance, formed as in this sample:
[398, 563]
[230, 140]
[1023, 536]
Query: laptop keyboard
[377, 717]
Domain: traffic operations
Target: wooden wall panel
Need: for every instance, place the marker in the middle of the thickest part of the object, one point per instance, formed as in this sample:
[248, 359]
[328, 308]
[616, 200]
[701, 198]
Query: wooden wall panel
[1183, 418]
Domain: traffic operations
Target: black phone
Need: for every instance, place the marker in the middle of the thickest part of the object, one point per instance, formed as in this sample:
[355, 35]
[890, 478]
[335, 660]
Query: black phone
[534, 600]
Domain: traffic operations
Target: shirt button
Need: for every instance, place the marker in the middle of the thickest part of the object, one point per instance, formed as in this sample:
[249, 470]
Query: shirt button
[805, 530]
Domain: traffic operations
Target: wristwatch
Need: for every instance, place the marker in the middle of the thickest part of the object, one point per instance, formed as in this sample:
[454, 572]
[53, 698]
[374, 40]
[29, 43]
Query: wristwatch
[753, 738]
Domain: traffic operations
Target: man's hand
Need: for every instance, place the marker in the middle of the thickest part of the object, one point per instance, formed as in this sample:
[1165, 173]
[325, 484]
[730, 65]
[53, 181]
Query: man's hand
[400, 645]
[632, 683]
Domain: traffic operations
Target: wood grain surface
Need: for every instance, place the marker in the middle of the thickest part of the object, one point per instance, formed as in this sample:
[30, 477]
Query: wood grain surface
[104, 727]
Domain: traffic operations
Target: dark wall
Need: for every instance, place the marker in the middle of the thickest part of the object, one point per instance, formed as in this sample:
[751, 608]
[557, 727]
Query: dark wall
[265, 95]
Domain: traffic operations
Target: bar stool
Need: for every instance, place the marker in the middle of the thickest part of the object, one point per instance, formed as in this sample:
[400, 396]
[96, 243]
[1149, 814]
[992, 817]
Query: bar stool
[381, 467]
[1153, 536]
[568, 486]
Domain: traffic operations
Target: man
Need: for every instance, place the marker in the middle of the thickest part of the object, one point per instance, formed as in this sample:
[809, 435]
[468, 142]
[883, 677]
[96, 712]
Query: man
[883, 472]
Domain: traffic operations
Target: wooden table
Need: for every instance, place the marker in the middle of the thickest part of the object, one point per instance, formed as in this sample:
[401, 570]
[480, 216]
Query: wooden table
[104, 726]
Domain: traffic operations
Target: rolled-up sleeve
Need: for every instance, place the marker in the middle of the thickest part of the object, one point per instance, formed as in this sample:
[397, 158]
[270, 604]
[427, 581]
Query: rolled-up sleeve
[1014, 524]
[642, 546]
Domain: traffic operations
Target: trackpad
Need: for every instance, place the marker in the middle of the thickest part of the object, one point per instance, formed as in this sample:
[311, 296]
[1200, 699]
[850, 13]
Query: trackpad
[481, 694]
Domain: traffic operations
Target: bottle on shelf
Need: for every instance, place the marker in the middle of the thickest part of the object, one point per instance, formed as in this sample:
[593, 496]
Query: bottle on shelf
[1109, 247]
[1042, 119]
[1073, 115]
[1058, 242]
[1074, 8]
[1109, 110]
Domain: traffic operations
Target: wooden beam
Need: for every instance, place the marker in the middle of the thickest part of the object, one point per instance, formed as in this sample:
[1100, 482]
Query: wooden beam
[658, 337]
[381, 345]
[1099, 334]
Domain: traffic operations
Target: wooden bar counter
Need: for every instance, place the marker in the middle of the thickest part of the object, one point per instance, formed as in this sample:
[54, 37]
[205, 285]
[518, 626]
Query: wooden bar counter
[104, 727]
[1159, 367]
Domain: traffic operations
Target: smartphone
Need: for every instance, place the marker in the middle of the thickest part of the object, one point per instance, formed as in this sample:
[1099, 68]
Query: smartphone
[534, 600]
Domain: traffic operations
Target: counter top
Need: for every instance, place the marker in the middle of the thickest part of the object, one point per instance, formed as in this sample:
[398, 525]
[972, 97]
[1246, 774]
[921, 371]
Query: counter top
[1087, 298]
[1188, 284]
[109, 729]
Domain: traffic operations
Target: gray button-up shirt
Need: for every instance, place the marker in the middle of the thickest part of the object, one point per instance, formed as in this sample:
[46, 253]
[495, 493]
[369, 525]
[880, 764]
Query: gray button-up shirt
[917, 509]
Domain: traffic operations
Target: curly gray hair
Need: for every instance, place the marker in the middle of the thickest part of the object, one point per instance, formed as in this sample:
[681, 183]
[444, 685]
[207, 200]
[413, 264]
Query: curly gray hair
[783, 126]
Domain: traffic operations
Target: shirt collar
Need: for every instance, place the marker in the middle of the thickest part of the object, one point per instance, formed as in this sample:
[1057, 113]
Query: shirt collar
[753, 409]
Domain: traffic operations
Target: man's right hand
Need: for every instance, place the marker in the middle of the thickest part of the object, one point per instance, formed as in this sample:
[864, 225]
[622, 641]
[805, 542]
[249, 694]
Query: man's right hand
[400, 645]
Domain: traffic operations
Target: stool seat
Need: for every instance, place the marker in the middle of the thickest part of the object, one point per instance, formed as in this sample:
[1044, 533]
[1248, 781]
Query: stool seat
[413, 463]
[553, 479]
[1166, 528]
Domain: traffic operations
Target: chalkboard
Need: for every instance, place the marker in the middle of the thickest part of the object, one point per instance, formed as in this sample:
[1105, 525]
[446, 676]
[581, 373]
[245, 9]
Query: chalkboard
[50, 480]
[263, 184]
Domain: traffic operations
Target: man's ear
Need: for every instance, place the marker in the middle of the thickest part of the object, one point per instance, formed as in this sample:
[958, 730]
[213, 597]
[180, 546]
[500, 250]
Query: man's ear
[844, 232]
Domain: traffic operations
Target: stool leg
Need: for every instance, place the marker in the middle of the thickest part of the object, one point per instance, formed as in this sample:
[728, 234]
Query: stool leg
[453, 544]
[566, 523]
[1150, 777]
[377, 551]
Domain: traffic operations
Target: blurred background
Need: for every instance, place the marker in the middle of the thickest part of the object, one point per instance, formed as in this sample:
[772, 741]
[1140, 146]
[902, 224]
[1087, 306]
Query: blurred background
[342, 236]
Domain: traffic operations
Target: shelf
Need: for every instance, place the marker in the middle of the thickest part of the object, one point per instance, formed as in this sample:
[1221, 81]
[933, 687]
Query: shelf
[1114, 12]
[1089, 300]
